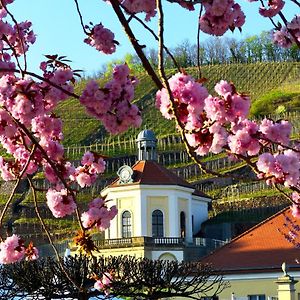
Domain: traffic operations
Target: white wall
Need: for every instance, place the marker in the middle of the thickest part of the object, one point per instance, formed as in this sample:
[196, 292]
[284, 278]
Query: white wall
[131, 202]
[200, 213]
[197, 206]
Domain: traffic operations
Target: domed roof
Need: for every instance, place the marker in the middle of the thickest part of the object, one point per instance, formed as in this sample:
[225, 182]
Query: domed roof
[146, 135]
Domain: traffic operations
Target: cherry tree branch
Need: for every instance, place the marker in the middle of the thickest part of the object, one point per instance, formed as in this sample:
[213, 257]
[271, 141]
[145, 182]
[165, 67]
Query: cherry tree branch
[138, 49]
[133, 16]
[15, 187]
[290, 31]
[296, 2]
[193, 2]
[80, 17]
[47, 232]
[189, 149]
[51, 163]
[42, 79]
[276, 186]
[198, 44]
[20, 37]
[10, 47]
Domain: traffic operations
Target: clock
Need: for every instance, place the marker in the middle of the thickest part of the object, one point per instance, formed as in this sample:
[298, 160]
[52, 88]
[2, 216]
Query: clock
[125, 174]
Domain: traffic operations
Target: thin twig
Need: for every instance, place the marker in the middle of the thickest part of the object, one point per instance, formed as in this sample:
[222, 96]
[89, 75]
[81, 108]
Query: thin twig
[283, 193]
[80, 17]
[133, 16]
[50, 162]
[190, 151]
[47, 232]
[198, 44]
[15, 188]
[193, 2]
[43, 79]
[20, 37]
[296, 2]
[289, 30]
[138, 49]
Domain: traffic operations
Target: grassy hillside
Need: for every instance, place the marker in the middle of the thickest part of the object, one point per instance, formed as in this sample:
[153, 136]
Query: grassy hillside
[255, 79]
[285, 98]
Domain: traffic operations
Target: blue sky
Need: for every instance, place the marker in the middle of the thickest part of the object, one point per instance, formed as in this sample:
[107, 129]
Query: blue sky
[58, 30]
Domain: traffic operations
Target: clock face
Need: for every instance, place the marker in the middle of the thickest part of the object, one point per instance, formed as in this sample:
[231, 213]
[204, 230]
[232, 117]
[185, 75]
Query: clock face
[125, 174]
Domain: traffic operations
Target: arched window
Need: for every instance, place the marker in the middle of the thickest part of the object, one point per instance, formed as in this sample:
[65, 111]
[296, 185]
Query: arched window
[157, 223]
[126, 224]
[182, 224]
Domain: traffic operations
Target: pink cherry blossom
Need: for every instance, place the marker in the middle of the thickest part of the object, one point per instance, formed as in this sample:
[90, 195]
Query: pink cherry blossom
[112, 104]
[104, 283]
[280, 168]
[276, 131]
[98, 215]
[220, 16]
[282, 38]
[274, 7]
[12, 250]
[188, 95]
[230, 107]
[65, 169]
[60, 202]
[242, 143]
[102, 39]
[295, 208]
[86, 175]
[137, 6]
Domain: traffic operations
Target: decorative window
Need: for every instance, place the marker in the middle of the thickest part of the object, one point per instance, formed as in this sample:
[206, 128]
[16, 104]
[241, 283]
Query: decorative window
[182, 224]
[157, 223]
[126, 224]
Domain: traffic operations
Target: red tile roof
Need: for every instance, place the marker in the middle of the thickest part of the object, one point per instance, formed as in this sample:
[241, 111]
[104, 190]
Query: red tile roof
[149, 172]
[263, 247]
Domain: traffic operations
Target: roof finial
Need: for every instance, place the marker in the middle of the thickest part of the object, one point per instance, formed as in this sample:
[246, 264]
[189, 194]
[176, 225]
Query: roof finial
[284, 268]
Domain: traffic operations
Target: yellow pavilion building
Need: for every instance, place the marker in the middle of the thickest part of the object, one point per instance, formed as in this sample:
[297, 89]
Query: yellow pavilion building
[159, 213]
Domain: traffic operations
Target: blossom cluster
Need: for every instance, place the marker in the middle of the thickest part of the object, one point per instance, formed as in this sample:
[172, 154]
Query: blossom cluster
[26, 104]
[17, 37]
[274, 7]
[104, 283]
[98, 215]
[112, 104]
[31, 133]
[215, 123]
[280, 168]
[13, 250]
[60, 202]
[220, 16]
[86, 174]
[102, 39]
[295, 208]
[283, 36]
[137, 6]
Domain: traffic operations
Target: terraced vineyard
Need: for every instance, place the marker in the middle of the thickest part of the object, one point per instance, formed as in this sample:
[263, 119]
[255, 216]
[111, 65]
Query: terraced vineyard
[254, 79]
[84, 133]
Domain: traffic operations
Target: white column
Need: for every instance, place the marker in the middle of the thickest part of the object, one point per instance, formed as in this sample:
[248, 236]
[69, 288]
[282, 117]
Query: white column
[143, 213]
[114, 223]
[173, 215]
[189, 229]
